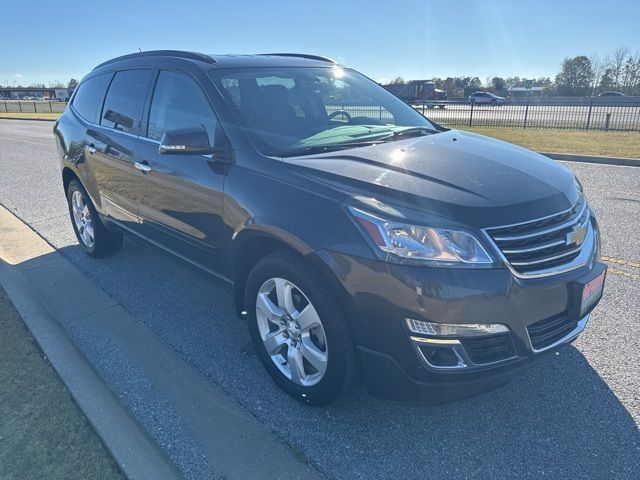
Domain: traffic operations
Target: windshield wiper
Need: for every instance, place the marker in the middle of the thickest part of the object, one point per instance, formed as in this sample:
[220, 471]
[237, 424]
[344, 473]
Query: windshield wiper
[313, 149]
[409, 132]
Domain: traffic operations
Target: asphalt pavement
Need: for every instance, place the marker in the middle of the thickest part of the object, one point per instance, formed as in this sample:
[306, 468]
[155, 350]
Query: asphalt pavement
[575, 415]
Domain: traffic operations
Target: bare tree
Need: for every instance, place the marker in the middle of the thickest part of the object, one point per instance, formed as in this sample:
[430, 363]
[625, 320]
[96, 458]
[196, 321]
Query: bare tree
[616, 64]
[599, 67]
[630, 82]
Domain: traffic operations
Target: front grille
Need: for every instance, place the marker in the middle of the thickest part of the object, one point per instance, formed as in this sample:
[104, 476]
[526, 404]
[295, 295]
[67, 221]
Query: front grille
[488, 349]
[550, 330]
[545, 243]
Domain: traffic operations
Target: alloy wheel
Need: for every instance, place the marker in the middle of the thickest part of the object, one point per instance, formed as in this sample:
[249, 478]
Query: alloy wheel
[82, 219]
[292, 332]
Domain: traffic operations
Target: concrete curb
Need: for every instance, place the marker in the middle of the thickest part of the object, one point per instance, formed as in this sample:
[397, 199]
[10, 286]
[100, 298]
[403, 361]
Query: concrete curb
[570, 157]
[55, 298]
[136, 454]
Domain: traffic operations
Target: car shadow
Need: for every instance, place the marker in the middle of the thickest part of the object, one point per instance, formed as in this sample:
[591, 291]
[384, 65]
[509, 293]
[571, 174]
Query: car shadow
[558, 419]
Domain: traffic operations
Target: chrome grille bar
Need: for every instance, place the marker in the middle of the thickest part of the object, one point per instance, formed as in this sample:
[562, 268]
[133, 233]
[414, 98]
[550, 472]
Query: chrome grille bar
[509, 251]
[547, 245]
[540, 233]
[547, 259]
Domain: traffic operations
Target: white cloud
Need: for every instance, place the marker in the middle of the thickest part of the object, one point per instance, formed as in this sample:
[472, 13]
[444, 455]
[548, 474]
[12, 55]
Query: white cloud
[18, 75]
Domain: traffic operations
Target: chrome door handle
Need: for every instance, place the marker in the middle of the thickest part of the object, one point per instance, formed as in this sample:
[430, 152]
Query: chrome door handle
[143, 167]
[91, 149]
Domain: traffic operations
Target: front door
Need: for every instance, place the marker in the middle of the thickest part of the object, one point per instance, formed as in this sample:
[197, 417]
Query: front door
[180, 196]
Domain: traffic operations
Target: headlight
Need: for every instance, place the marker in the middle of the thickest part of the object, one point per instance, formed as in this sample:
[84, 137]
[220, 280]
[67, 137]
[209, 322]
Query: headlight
[418, 242]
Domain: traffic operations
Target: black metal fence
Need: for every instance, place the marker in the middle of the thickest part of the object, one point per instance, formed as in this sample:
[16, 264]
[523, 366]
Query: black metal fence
[579, 114]
[576, 115]
[32, 106]
[582, 114]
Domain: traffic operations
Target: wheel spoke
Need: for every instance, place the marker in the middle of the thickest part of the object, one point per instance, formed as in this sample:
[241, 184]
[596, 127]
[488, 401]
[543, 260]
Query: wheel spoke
[285, 298]
[88, 229]
[274, 341]
[271, 311]
[314, 355]
[307, 318]
[296, 367]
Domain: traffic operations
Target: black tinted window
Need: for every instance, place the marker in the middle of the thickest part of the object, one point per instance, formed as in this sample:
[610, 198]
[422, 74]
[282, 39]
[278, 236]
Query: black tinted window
[88, 98]
[178, 102]
[123, 104]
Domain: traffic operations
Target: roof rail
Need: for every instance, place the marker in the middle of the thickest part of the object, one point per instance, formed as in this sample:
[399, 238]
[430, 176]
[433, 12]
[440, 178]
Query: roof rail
[301, 55]
[162, 53]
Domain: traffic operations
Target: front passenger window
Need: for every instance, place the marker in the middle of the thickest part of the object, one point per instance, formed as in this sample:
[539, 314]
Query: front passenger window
[178, 102]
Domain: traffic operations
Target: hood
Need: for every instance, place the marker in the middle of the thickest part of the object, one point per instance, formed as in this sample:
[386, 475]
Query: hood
[461, 176]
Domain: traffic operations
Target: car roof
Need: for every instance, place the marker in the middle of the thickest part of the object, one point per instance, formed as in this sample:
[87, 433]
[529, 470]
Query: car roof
[227, 60]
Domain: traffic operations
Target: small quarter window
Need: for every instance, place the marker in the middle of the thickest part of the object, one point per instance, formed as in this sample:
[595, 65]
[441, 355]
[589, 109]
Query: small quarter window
[88, 98]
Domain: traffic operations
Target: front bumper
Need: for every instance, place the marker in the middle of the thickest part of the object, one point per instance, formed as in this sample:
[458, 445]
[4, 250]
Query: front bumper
[539, 312]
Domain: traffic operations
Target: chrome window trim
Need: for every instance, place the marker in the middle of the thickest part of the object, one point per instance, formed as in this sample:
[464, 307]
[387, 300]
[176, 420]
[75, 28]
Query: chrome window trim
[132, 135]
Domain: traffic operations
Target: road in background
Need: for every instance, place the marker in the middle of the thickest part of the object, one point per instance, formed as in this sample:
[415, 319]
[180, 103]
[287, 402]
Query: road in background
[575, 415]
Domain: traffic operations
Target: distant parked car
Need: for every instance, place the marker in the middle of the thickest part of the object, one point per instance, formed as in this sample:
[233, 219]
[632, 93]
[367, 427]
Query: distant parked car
[487, 98]
[612, 94]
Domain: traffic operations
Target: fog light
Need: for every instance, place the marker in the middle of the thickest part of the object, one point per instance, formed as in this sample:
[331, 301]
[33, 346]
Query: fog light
[454, 329]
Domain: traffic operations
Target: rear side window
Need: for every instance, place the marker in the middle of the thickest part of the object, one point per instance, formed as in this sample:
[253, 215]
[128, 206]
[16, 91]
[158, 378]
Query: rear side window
[178, 102]
[123, 104]
[89, 97]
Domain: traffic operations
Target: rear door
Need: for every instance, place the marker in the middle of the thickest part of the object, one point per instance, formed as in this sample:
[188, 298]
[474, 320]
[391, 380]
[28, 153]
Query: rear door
[180, 196]
[111, 143]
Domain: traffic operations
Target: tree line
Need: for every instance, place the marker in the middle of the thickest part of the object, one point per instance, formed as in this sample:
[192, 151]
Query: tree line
[71, 84]
[579, 76]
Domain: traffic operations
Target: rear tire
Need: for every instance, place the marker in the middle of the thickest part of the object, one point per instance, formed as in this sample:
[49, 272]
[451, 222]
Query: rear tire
[315, 365]
[94, 238]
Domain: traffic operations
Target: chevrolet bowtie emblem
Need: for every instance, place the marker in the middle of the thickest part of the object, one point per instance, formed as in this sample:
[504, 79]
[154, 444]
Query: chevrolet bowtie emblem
[576, 236]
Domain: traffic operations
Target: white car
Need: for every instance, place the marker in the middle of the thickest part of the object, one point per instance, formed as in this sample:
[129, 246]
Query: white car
[486, 98]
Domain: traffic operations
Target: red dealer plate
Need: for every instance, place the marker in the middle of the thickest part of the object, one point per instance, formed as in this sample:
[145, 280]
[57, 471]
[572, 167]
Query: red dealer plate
[592, 292]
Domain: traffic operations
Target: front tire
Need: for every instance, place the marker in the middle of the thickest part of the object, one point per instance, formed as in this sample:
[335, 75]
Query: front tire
[94, 238]
[299, 330]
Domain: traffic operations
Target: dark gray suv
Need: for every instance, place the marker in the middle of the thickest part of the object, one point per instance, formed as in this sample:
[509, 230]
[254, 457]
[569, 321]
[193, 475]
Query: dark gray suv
[357, 237]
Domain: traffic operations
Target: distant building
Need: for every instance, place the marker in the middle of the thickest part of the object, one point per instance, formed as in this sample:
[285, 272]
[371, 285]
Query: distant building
[20, 93]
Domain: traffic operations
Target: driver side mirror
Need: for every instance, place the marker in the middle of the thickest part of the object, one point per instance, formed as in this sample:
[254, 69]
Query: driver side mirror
[190, 140]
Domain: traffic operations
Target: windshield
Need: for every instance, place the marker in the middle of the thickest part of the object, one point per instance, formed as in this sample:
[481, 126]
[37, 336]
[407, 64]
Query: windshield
[302, 110]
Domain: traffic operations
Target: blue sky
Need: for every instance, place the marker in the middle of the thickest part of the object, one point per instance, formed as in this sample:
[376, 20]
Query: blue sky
[48, 41]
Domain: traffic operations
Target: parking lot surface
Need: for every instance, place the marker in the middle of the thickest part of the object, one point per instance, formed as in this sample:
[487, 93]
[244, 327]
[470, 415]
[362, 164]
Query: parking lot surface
[575, 415]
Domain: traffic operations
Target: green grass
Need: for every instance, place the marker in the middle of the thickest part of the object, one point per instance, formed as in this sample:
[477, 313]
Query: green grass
[30, 116]
[43, 433]
[607, 144]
